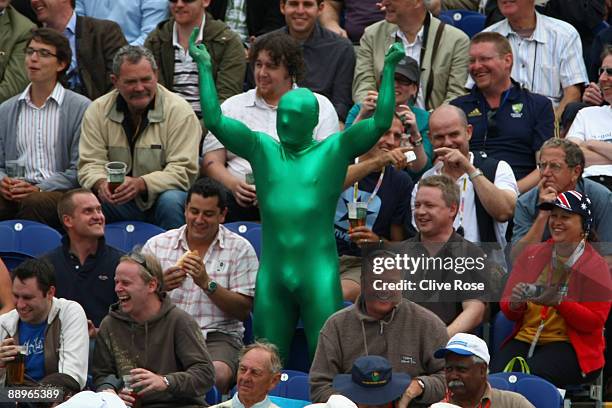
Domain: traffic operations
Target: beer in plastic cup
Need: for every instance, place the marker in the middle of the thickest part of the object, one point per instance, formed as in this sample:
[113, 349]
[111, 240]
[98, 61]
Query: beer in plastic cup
[15, 370]
[115, 174]
[357, 213]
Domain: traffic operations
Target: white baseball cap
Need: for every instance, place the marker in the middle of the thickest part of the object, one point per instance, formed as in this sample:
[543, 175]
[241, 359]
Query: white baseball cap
[335, 401]
[466, 345]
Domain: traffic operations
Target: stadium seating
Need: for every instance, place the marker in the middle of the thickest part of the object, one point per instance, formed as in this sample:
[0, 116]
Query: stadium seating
[538, 391]
[29, 238]
[470, 22]
[125, 235]
[249, 230]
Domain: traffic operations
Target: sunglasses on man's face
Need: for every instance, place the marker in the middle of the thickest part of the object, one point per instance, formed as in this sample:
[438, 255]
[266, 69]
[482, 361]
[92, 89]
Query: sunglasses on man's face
[607, 70]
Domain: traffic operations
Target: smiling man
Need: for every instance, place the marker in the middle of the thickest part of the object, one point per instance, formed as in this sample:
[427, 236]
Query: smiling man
[508, 122]
[154, 131]
[54, 331]
[169, 44]
[40, 128]
[278, 65]
[144, 329]
[329, 58]
[547, 52]
[210, 273]
[84, 264]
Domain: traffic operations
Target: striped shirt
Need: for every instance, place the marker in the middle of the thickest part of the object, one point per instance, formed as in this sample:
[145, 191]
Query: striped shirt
[548, 61]
[37, 134]
[230, 261]
[235, 18]
[186, 78]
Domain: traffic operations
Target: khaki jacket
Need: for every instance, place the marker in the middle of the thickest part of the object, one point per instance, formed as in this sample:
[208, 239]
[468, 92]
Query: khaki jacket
[165, 153]
[14, 35]
[450, 67]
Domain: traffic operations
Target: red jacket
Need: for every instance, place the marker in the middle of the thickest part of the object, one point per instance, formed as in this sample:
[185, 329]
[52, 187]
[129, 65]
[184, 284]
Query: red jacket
[586, 307]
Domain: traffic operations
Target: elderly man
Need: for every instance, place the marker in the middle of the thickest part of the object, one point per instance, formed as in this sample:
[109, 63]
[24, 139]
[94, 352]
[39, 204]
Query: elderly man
[259, 371]
[487, 186]
[53, 331]
[438, 48]
[561, 165]
[467, 364]
[547, 52]
[14, 33]
[152, 130]
[93, 43]
[509, 122]
[158, 346]
[39, 133]
[210, 273]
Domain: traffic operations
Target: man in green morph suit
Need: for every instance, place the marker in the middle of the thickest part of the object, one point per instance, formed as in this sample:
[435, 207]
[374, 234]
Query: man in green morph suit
[298, 183]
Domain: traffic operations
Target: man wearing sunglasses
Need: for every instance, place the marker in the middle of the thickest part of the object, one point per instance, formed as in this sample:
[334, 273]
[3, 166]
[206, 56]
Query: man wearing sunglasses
[14, 34]
[592, 128]
[39, 134]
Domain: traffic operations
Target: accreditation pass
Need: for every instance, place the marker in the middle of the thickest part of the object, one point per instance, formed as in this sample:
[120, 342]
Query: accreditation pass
[31, 394]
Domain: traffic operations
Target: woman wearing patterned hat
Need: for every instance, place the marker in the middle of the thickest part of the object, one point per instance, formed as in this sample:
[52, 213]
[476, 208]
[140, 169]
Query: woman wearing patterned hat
[558, 296]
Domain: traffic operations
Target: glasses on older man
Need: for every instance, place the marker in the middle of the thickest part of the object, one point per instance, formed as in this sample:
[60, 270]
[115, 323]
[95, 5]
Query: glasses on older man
[42, 53]
[554, 167]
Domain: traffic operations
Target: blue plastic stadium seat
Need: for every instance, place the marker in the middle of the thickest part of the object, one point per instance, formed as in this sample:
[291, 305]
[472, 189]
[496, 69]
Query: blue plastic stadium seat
[249, 230]
[125, 235]
[293, 384]
[28, 237]
[538, 391]
[470, 22]
[13, 259]
[288, 402]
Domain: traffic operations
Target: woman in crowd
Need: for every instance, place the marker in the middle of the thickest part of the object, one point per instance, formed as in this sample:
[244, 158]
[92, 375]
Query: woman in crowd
[558, 296]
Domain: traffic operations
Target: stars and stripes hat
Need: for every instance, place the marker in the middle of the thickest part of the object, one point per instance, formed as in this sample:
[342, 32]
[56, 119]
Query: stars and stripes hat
[574, 202]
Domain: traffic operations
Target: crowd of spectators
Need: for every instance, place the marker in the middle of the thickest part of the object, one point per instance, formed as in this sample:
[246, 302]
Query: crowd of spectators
[499, 149]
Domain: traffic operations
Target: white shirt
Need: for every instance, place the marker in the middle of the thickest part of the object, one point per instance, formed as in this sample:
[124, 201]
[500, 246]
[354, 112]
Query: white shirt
[254, 112]
[593, 123]
[37, 134]
[466, 216]
[413, 50]
[550, 60]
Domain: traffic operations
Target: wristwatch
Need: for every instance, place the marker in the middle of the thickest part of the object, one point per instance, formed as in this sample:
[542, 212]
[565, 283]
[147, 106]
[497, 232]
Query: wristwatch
[211, 287]
[166, 381]
[475, 173]
[421, 384]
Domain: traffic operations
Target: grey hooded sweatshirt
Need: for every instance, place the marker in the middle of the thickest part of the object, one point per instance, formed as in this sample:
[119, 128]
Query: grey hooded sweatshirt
[169, 344]
[408, 337]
